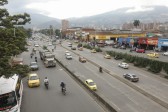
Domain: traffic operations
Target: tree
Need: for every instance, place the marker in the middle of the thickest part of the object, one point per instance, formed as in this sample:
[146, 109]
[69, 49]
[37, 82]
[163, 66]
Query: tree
[136, 23]
[12, 40]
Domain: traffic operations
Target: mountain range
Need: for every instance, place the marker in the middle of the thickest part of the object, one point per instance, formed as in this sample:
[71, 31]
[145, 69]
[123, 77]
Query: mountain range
[109, 19]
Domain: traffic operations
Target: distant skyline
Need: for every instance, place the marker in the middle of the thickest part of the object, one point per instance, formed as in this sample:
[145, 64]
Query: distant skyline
[63, 9]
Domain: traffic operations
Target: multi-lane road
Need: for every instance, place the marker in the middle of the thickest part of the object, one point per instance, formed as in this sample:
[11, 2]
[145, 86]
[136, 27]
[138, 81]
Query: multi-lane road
[119, 95]
[39, 99]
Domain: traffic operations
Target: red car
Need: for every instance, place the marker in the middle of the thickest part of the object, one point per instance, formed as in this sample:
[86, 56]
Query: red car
[140, 50]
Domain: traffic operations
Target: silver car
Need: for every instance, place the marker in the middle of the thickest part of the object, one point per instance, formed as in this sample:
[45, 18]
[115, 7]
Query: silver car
[34, 66]
[123, 65]
[131, 77]
[165, 53]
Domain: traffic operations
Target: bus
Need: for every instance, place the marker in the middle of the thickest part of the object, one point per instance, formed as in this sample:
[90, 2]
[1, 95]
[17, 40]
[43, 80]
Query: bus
[11, 90]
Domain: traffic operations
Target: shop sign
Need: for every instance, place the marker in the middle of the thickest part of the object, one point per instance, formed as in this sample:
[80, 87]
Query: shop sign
[102, 37]
[152, 42]
[142, 41]
[165, 43]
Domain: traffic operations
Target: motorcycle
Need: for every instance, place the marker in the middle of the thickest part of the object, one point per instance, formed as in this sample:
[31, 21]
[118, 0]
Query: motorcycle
[64, 91]
[35, 59]
[46, 84]
[100, 69]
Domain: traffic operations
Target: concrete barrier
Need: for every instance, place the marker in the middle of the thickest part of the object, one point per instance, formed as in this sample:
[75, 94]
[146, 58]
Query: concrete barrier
[99, 98]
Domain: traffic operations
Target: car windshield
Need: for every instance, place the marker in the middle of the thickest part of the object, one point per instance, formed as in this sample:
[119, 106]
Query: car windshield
[133, 75]
[33, 63]
[7, 101]
[91, 83]
[34, 78]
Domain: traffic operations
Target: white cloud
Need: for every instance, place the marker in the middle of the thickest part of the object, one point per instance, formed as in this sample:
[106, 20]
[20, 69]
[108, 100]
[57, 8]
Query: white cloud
[78, 8]
[139, 9]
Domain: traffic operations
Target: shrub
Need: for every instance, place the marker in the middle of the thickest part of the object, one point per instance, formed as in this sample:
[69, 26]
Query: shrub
[98, 49]
[155, 66]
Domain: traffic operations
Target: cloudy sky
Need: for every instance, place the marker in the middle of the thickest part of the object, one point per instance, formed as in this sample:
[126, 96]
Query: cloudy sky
[63, 9]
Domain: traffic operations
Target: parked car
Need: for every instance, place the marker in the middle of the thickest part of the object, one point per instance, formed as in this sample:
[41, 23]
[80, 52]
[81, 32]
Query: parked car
[117, 57]
[34, 66]
[69, 44]
[122, 47]
[131, 77]
[82, 59]
[116, 46]
[140, 50]
[93, 51]
[153, 55]
[165, 53]
[68, 56]
[80, 48]
[73, 48]
[123, 65]
[107, 56]
[91, 84]
[33, 80]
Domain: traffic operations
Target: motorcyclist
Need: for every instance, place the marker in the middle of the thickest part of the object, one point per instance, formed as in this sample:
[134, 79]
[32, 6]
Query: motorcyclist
[100, 69]
[31, 55]
[35, 59]
[62, 86]
[46, 81]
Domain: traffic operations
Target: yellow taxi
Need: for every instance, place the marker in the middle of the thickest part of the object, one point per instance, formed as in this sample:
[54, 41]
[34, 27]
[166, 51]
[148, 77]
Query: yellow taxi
[153, 55]
[91, 84]
[107, 56]
[33, 80]
[93, 51]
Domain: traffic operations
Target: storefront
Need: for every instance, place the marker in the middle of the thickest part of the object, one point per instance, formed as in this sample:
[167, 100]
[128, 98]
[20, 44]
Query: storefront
[163, 44]
[142, 43]
[152, 43]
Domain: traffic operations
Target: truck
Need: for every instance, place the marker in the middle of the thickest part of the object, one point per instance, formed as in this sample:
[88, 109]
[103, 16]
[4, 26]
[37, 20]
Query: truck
[48, 58]
[16, 61]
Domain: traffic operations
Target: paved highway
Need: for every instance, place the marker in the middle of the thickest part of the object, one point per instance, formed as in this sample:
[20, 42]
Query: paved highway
[39, 99]
[149, 82]
[120, 96]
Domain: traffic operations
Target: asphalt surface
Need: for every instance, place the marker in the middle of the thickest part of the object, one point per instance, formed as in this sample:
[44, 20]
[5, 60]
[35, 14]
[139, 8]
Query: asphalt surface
[39, 99]
[149, 82]
[120, 96]
[161, 57]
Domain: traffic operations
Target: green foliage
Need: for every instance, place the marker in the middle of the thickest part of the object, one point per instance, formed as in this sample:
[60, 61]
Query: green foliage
[165, 67]
[12, 41]
[136, 23]
[155, 66]
[98, 49]
[44, 47]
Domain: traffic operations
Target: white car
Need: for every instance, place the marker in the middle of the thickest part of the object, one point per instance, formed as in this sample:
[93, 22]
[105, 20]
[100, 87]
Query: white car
[69, 44]
[123, 65]
[165, 53]
[68, 56]
[36, 45]
[49, 44]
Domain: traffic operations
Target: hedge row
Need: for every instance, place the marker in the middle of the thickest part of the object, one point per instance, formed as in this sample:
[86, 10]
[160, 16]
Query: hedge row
[91, 47]
[152, 65]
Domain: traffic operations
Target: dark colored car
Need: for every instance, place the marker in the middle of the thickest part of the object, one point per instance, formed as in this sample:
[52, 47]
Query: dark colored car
[34, 66]
[131, 77]
[117, 57]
